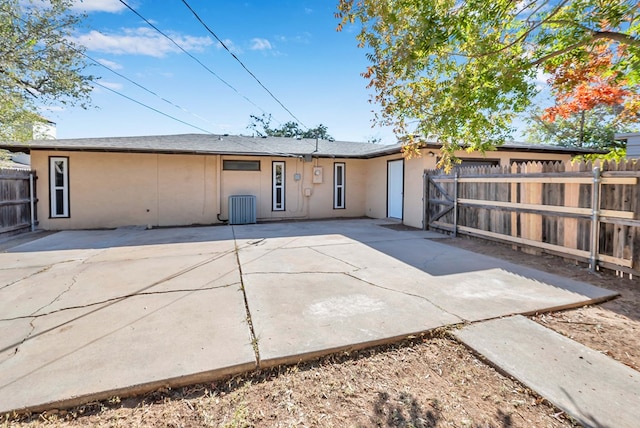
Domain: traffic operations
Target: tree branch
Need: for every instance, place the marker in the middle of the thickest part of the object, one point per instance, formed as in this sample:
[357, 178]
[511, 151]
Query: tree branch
[596, 35]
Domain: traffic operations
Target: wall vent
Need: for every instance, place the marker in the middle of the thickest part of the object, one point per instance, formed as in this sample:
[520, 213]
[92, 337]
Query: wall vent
[242, 209]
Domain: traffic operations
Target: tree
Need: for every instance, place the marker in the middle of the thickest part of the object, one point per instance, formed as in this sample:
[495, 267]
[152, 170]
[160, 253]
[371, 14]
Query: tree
[39, 66]
[593, 101]
[460, 72]
[594, 128]
[261, 125]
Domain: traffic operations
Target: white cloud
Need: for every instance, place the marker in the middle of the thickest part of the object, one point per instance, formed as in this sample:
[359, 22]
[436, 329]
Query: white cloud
[229, 44]
[303, 38]
[140, 41]
[111, 85]
[110, 64]
[542, 79]
[258, 44]
[112, 6]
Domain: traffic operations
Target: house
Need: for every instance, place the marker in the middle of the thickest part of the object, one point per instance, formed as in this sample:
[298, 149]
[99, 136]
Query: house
[187, 179]
[633, 144]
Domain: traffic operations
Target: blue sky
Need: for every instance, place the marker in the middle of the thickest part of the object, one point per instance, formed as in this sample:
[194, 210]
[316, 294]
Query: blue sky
[292, 46]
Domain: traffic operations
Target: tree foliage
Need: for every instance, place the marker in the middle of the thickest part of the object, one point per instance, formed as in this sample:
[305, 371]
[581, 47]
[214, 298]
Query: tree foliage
[460, 72]
[261, 125]
[39, 66]
[593, 129]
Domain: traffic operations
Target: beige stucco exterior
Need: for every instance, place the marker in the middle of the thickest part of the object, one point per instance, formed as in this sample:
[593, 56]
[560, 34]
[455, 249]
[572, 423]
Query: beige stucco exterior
[109, 189]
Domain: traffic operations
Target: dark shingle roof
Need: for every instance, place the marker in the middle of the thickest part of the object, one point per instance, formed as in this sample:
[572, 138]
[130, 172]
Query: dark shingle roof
[213, 144]
[245, 145]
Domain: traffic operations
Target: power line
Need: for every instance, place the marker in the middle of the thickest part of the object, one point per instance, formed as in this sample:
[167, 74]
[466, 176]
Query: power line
[191, 56]
[72, 47]
[240, 62]
[141, 87]
[151, 108]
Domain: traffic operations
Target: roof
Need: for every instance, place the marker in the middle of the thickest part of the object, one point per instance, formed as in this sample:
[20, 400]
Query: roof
[246, 146]
[627, 136]
[213, 144]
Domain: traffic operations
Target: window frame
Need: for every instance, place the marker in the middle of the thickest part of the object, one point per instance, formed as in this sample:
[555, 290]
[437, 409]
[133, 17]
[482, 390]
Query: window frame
[239, 162]
[339, 186]
[278, 187]
[54, 188]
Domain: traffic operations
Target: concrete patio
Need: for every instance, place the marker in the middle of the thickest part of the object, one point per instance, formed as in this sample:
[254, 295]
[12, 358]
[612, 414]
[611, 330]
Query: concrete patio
[87, 315]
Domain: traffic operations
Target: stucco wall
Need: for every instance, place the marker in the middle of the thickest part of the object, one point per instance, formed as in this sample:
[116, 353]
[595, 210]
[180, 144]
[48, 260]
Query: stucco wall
[121, 189]
[319, 203]
[113, 189]
[376, 184]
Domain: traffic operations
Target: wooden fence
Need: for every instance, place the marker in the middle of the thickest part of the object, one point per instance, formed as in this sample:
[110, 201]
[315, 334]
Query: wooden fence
[583, 211]
[15, 200]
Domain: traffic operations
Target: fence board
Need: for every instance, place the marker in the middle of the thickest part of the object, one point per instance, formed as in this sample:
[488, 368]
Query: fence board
[546, 206]
[15, 202]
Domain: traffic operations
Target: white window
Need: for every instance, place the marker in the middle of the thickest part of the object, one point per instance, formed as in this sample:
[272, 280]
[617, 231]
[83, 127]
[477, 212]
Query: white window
[278, 186]
[59, 186]
[338, 185]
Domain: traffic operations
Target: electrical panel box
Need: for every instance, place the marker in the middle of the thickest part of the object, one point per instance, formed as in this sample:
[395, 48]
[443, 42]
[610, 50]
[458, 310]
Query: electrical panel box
[317, 175]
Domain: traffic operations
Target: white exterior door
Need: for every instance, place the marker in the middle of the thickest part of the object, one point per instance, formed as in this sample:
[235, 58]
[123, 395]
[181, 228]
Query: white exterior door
[395, 188]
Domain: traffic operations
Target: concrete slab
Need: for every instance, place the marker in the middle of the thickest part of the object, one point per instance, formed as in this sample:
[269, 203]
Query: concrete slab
[98, 313]
[125, 347]
[491, 288]
[592, 388]
[289, 260]
[299, 316]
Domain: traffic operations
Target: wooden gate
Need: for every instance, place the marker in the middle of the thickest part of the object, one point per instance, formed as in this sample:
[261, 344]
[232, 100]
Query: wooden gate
[17, 207]
[576, 210]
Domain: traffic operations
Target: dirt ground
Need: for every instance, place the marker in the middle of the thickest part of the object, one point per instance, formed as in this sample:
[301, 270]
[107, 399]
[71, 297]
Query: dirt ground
[429, 381]
[612, 328]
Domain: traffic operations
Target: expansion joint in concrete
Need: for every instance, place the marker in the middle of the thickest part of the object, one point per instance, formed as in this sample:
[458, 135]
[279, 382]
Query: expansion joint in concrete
[252, 333]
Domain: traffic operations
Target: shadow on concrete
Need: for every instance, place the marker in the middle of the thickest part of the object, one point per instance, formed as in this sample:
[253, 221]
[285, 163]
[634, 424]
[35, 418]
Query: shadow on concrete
[407, 245]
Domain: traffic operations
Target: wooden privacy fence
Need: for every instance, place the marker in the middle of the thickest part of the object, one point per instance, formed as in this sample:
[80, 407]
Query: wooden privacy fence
[17, 201]
[583, 211]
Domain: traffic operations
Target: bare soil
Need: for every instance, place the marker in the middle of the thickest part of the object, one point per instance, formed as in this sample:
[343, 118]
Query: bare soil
[429, 381]
[612, 327]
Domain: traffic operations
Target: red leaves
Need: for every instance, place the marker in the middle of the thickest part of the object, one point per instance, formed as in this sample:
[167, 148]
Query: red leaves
[580, 84]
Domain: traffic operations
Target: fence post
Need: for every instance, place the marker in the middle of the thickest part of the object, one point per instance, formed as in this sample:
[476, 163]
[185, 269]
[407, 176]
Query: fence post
[455, 205]
[595, 219]
[32, 201]
[425, 201]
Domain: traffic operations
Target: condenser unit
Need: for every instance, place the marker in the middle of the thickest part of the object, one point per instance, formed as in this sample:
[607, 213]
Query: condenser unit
[242, 209]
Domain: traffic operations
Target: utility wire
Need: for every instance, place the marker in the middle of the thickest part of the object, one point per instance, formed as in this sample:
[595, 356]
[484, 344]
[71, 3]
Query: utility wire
[142, 87]
[240, 62]
[191, 56]
[151, 108]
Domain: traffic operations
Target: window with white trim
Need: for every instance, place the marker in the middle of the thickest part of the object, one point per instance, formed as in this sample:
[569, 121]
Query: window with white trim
[59, 186]
[338, 185]
[278, 186]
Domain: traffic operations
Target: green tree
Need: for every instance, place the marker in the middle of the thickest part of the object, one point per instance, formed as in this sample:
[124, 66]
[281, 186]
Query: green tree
[593, 129]
[261, 125]
[39, 66]
[459, 72]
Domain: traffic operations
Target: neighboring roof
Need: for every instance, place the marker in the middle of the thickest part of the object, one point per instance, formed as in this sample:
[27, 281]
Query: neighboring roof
[13, 162]
[624, 135]
[245, 145]
[547, 148]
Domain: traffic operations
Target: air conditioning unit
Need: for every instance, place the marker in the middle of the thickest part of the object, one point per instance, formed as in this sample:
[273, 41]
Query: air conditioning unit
[242, 209]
